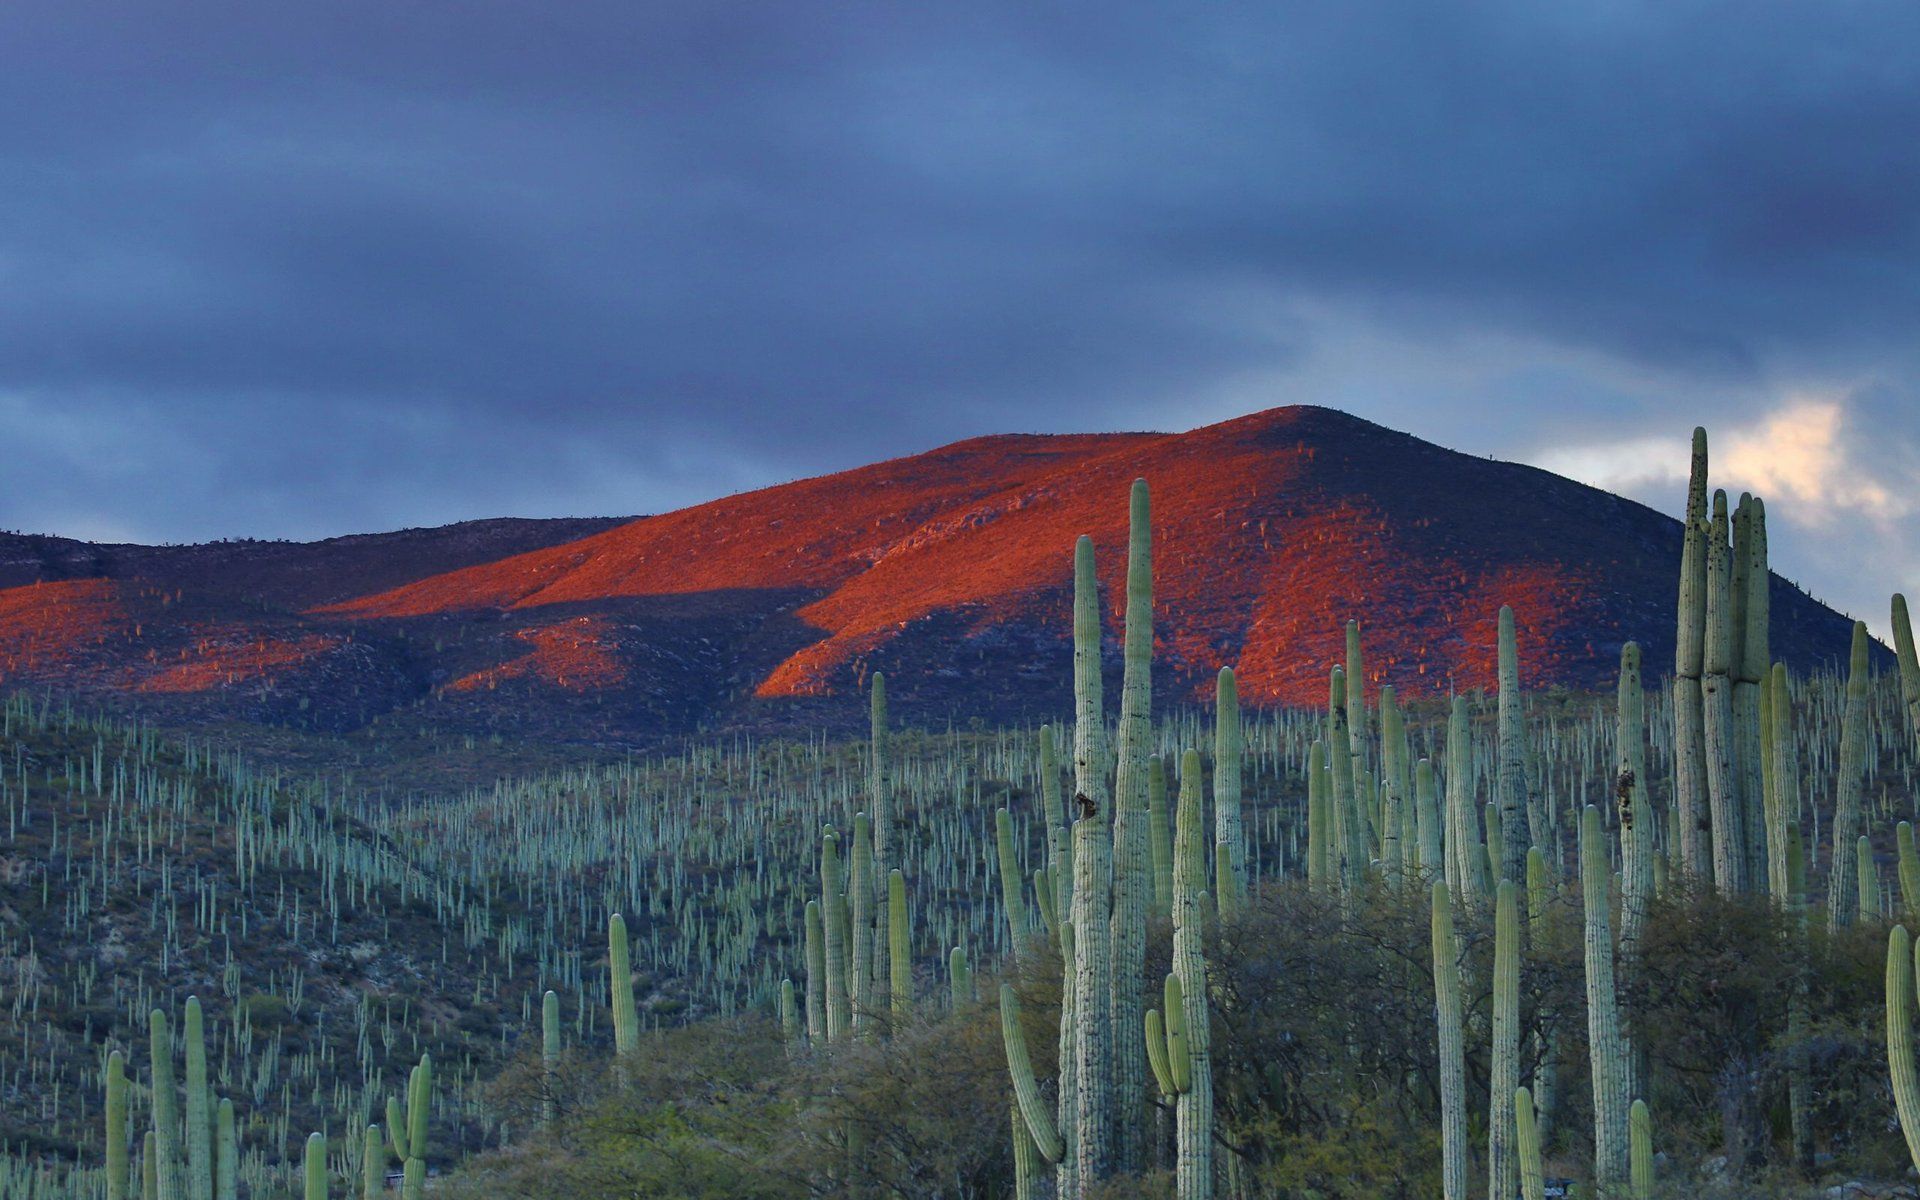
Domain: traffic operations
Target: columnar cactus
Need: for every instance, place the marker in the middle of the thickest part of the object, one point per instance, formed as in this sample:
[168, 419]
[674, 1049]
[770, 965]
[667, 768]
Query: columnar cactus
[1463, 832]
[1026, 1090]
[1606, 1048]
[373, 1163]
[1319, 860]
[1228, 749]
[1784, 826]
[816, 952]
[1348, 852]
[959, 978]
[1132, 855]
[1636, 820]
[1724, 797]
[1355, 677]
[1028, 1177]
[315, 1172]
[1869, 877]
[1848, 784]
[1453, 1054]
[1900, 1002]
[116, 1126]
[1640, 1139]
[1522, 818]
[227, 1154]
[1689, 735]
[626, 1020]
[833, 912]
[1909, 865]
[1012, 894]
[550, 1042]
[166, 1116]
[1431, 830]
[1398, 844]
[1526, 1131]
[406, 1128]
[199, 1110]
[879, 778]
[860, 918]
[1755, 663]
[899, 946]
[1505, 1071]
[1194, 1108]
[1092, 1135]
[1546, 1039]
[1909, 663]
[1160, 836]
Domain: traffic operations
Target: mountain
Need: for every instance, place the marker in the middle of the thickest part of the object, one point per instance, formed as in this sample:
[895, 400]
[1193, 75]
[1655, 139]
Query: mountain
[949, 570]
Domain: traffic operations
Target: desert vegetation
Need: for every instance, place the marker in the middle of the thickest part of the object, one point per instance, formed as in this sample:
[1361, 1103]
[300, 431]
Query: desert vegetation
[1648, 943]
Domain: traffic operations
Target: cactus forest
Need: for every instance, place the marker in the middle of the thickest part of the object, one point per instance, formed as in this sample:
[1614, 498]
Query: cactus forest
[1644, 944]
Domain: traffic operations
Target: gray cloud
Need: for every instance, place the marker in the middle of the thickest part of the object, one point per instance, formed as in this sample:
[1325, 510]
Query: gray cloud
[300, 269]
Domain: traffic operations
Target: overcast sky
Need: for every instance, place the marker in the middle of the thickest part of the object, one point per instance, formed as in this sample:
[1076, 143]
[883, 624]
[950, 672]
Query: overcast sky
[301, 269]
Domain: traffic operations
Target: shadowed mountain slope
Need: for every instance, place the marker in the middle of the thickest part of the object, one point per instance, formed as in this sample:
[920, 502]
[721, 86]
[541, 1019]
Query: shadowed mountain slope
[949, 570]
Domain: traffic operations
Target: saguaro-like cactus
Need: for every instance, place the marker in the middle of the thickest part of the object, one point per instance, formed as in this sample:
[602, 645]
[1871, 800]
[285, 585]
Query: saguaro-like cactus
[860, 918]
[1092, 1135]
[550, 1046]
[1523, 818]
[833, 906]
[1842, 882]
[1606, 1048]
[1319, 860]
[1636, 840]
[816, 952]
[1755, 644]
[227, 1154]
[199, 1108]
[1431, 830]
[315, 1172]
[899, 946]
[1900, 1002]
[1228, 749]
[1909, 662]
[1012, 894]
[1026, 1089]
[116, 1126]
[1194, 1108]
[166, 1114]
[1349, 849]
[1689, 734]
[1640, 1138]
[626, 1020]
[373, 1163]
[1397, 823]
[1453, 1054]
[407, 1129]
[1160, 835]
[1463, 831]
[1724, 797]
[1505, 1072]
[1526, 1130]
[1132, 854]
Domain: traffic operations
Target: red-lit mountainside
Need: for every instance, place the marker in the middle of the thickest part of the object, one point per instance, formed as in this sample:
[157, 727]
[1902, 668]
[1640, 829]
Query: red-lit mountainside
[949, 570]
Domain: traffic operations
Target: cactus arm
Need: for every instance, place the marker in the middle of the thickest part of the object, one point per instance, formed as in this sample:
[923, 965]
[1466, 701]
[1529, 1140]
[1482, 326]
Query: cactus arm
[1026, 1090]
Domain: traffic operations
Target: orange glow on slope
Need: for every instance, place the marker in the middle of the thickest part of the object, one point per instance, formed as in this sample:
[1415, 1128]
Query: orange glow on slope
[570, 655]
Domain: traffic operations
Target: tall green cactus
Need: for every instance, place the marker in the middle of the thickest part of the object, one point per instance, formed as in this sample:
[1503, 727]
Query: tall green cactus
[1909, 663]
[1012, 896]
[1869, 876]
[407, 1129]
[1160, 839]
[626, 1019]
[1522, 817]
[1909, 868]
[1632, 798]
[550, 1048]
[860, 918]
[227, 1154]
[1319, 860]
[373, 1163]
[199, 1111]
[166, 1116]
[1900, 1002]
[1463, 831]
[1452, 1040]
[1505, 1069]
[1228, 749]
[879, 776]
[315, 1172]
[1132, 852]
[1348, 852]
[1640, 1140]
[1167, 1042]
[899, 947]
[1430, 828]
[1194, 1108]
[1689, 733]
[1093, 1134]
[1749, 686]
[833, 904]
[1724, 797]
[1026, 1090]
[116, 1126]
[1398, 833]
[1526, 1132]
[1606, 1049]
[816, 955]
[1850, 781]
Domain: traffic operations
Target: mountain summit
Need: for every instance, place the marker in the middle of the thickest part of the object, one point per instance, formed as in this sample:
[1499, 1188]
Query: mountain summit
[949, 570]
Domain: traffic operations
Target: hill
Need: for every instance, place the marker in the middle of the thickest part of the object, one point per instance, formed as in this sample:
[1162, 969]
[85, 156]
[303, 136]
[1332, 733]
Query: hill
[947, 569]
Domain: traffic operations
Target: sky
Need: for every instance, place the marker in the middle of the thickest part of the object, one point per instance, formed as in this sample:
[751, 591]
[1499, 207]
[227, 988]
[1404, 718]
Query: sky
[294, 270]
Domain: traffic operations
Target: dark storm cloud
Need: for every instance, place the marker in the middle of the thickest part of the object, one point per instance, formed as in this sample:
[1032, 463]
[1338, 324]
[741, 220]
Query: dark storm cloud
[278, 268]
